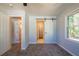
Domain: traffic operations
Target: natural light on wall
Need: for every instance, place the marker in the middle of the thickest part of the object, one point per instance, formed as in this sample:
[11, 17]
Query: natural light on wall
[73, 27]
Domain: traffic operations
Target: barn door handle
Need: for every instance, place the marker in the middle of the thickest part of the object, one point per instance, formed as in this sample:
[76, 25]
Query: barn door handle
[45, 32]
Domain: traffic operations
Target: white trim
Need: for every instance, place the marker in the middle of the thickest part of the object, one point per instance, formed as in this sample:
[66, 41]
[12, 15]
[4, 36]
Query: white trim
[15, 42]
[44, 43]
[32, 43]
[44, 16]
[67, 50]
[73, 40]
[23, 48]
[73, 12]
[66, 27]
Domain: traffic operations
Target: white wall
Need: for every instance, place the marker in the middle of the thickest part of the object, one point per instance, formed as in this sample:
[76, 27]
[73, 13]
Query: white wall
[4, 33]
[32, 31]
[27, 30]
[70, 45]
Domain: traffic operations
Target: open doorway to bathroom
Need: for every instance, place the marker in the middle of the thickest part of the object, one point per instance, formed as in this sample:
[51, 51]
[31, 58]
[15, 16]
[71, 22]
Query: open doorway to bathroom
[40, 30]
[16, 33]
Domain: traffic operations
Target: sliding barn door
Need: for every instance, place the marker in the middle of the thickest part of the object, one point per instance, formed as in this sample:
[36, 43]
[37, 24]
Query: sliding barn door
[50, 31]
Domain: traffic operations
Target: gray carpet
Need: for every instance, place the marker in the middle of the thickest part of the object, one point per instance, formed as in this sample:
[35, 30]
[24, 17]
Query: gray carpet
[40, 50]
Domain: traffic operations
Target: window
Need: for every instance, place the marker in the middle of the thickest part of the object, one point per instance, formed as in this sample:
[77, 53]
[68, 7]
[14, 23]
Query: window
[73, 26]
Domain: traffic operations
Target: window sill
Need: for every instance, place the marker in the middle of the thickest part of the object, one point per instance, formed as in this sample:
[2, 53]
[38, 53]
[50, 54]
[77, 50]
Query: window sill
[73, 40]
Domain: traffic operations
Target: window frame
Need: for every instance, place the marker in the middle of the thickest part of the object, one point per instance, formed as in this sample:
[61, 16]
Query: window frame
[66, 22]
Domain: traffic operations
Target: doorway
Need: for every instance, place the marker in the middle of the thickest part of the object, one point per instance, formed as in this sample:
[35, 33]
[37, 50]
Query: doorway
[40, 30]
[16, 33]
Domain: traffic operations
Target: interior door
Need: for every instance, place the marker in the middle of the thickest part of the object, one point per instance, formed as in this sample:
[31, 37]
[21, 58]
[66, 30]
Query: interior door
[40, 31]
[16, 32]
[50, 31]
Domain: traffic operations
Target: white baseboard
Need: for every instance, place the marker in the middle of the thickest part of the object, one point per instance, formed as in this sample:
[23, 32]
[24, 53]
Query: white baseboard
[44, 43]
[15, 42]
[67, 50]
[24, 48]
[32, 43]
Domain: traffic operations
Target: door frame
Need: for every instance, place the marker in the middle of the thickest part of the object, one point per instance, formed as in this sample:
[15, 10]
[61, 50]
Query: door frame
[20, 32]
[40, 19]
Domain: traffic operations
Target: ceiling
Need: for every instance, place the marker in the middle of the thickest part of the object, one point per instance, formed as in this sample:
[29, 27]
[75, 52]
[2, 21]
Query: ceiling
[42, 9]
